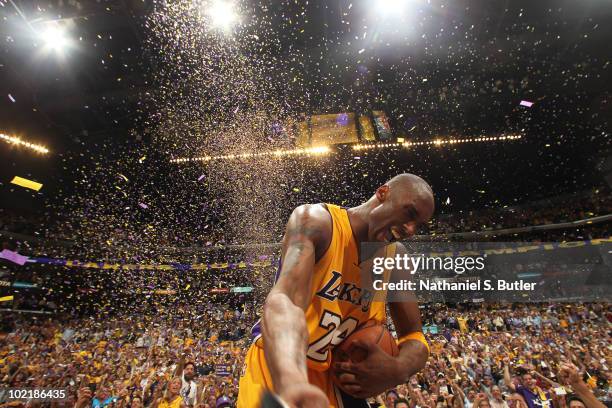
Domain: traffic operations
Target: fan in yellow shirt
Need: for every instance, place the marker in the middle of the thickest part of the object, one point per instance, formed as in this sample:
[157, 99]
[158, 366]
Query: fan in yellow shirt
[172, 397]
[462, 324]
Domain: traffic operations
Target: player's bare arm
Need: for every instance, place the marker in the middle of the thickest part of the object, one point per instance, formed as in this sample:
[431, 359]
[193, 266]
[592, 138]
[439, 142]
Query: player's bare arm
[406, 318]
[413, 353]
[285, 333]
[380, 371]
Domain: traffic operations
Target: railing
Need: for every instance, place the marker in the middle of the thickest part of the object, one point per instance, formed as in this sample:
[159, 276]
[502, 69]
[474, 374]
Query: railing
[472, 234]
[276, 245]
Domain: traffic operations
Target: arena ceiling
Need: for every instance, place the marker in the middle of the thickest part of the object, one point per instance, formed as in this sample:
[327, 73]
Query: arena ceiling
[96, 87]
[436, 67]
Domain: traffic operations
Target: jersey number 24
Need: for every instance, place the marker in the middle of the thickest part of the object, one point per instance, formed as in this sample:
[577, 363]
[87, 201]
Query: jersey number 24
[337, 331]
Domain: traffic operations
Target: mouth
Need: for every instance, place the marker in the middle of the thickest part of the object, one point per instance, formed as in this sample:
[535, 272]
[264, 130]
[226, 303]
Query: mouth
[395, 233]
[392, 234]
[385, 236]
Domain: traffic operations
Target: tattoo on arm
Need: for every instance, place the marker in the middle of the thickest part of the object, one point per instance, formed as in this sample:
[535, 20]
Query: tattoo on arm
[297, 249]
[304, 230]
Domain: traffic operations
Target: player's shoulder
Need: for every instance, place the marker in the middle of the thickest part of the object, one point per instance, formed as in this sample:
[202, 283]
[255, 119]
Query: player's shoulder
[314, 221]
[312, 214]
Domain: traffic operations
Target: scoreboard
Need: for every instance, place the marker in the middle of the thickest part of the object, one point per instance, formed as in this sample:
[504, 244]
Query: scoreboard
[342, 128]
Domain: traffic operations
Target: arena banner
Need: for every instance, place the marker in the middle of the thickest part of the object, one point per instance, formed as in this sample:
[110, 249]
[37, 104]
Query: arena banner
[336, 128]
[241, 289]
[219, 290]
[382, 126]
[164, 292]
[478, 272]
[24, 285]
[428, 249]
[366, 128]
[261, 262]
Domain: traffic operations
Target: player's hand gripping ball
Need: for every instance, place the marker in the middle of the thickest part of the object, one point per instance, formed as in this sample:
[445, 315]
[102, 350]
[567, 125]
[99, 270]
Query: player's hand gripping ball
[371, 333]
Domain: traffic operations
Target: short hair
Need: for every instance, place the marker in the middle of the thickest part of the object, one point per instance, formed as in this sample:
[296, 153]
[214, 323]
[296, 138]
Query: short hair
[573, 398]
[190, 363]
[401, 401]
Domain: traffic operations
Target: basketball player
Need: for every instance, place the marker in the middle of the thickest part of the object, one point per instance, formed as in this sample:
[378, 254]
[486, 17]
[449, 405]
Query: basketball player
[317, 302]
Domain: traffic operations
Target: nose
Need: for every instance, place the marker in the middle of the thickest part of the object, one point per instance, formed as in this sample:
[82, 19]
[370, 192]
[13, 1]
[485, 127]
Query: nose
[409, 229]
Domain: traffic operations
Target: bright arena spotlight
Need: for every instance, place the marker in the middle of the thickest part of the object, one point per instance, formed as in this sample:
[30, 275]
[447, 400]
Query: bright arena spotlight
[223, 14]
[388, 8]
[55, 37]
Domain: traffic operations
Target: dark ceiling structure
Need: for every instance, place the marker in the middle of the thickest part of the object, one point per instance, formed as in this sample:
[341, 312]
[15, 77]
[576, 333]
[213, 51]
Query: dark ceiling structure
[456, 68]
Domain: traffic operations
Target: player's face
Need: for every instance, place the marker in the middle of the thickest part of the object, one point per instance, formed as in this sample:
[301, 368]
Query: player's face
[398, 215]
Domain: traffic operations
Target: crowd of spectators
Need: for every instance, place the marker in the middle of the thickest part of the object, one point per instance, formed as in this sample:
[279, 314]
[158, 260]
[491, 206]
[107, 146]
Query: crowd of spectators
[59, 242]
[512, 356]
[522, 356]
[550, 211]
[129, 361]
[187, 348]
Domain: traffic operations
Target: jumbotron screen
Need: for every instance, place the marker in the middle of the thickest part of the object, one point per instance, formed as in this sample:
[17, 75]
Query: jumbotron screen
[343, 128]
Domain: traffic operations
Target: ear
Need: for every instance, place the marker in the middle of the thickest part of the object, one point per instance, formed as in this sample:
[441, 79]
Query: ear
[382, 193]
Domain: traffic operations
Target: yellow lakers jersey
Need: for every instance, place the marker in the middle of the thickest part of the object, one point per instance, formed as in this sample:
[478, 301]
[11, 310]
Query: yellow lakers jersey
[339, 304]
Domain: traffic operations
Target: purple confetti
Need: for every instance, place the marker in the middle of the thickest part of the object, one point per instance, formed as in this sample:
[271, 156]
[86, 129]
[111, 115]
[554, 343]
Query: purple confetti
[13, 257]
[11, 98]
[236, 110]
[201, 177]
[143, 205]
[526, 103]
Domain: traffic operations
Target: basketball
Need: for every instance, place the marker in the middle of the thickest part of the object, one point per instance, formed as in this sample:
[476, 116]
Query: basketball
[370, 332]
